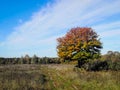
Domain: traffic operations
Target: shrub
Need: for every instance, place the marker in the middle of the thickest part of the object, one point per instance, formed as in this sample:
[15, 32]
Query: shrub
[114, 65]
[99, 65]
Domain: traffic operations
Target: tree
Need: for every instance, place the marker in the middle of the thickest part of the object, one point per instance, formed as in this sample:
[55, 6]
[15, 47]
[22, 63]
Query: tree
[22, 60]
[34, 60]
[113, 56]
[27, 59]
[80, 44]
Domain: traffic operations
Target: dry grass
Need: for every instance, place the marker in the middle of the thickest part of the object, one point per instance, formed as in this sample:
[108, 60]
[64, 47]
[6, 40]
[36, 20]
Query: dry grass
[56, 77]
[21, 77]
[66, 77]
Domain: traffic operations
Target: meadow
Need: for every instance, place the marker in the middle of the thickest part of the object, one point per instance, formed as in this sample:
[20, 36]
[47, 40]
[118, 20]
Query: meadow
[56, 77]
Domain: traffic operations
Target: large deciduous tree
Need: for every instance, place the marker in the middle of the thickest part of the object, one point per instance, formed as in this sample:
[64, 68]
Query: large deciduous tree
[81, 43]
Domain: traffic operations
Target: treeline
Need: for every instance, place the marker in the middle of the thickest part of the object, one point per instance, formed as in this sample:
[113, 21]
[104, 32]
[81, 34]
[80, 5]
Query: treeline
[109, 61]
[30, 60]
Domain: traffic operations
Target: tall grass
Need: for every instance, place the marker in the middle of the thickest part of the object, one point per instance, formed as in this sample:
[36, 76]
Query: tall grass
[21, 77]
[56, 77]
[66, 77]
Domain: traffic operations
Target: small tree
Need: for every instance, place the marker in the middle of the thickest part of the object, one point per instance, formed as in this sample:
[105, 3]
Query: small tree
[34, 60]
[27, 59]
[22, 60]
[79, 44]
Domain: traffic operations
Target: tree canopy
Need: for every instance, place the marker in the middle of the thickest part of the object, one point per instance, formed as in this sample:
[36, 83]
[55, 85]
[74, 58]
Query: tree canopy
[79, 43]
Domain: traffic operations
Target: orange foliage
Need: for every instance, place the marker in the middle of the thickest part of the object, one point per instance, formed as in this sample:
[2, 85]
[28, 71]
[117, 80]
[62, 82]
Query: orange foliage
[76, 40]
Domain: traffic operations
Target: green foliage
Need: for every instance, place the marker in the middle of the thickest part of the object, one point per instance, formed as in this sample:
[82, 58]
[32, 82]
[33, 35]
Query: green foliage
[114, 65]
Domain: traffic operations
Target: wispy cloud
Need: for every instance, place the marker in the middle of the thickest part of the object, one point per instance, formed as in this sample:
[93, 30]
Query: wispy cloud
[107, 26]
[111, 33]
[40, 32]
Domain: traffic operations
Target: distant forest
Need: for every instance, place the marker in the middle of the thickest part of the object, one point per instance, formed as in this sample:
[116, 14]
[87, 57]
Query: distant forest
[29, 60]
[109, 61]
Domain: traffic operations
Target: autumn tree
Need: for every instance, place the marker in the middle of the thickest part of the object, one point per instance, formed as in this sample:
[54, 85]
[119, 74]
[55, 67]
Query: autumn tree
[80, 44]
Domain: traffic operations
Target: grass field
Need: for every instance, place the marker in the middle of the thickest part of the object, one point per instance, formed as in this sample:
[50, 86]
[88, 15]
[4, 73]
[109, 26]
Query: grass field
[56, 77]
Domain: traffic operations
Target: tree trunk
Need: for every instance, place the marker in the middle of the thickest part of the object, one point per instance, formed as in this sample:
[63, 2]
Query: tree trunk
[79, 63]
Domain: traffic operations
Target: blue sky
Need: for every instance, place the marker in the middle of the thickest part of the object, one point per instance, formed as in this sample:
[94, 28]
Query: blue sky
[32, 26]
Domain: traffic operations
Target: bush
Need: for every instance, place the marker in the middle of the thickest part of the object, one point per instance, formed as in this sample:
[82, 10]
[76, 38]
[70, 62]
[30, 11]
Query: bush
[114, 65]
[99, 65]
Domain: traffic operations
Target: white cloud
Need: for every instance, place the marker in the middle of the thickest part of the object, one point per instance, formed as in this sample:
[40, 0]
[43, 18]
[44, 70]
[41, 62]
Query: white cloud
[110, 33]
[107, 26]
[55, 19]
